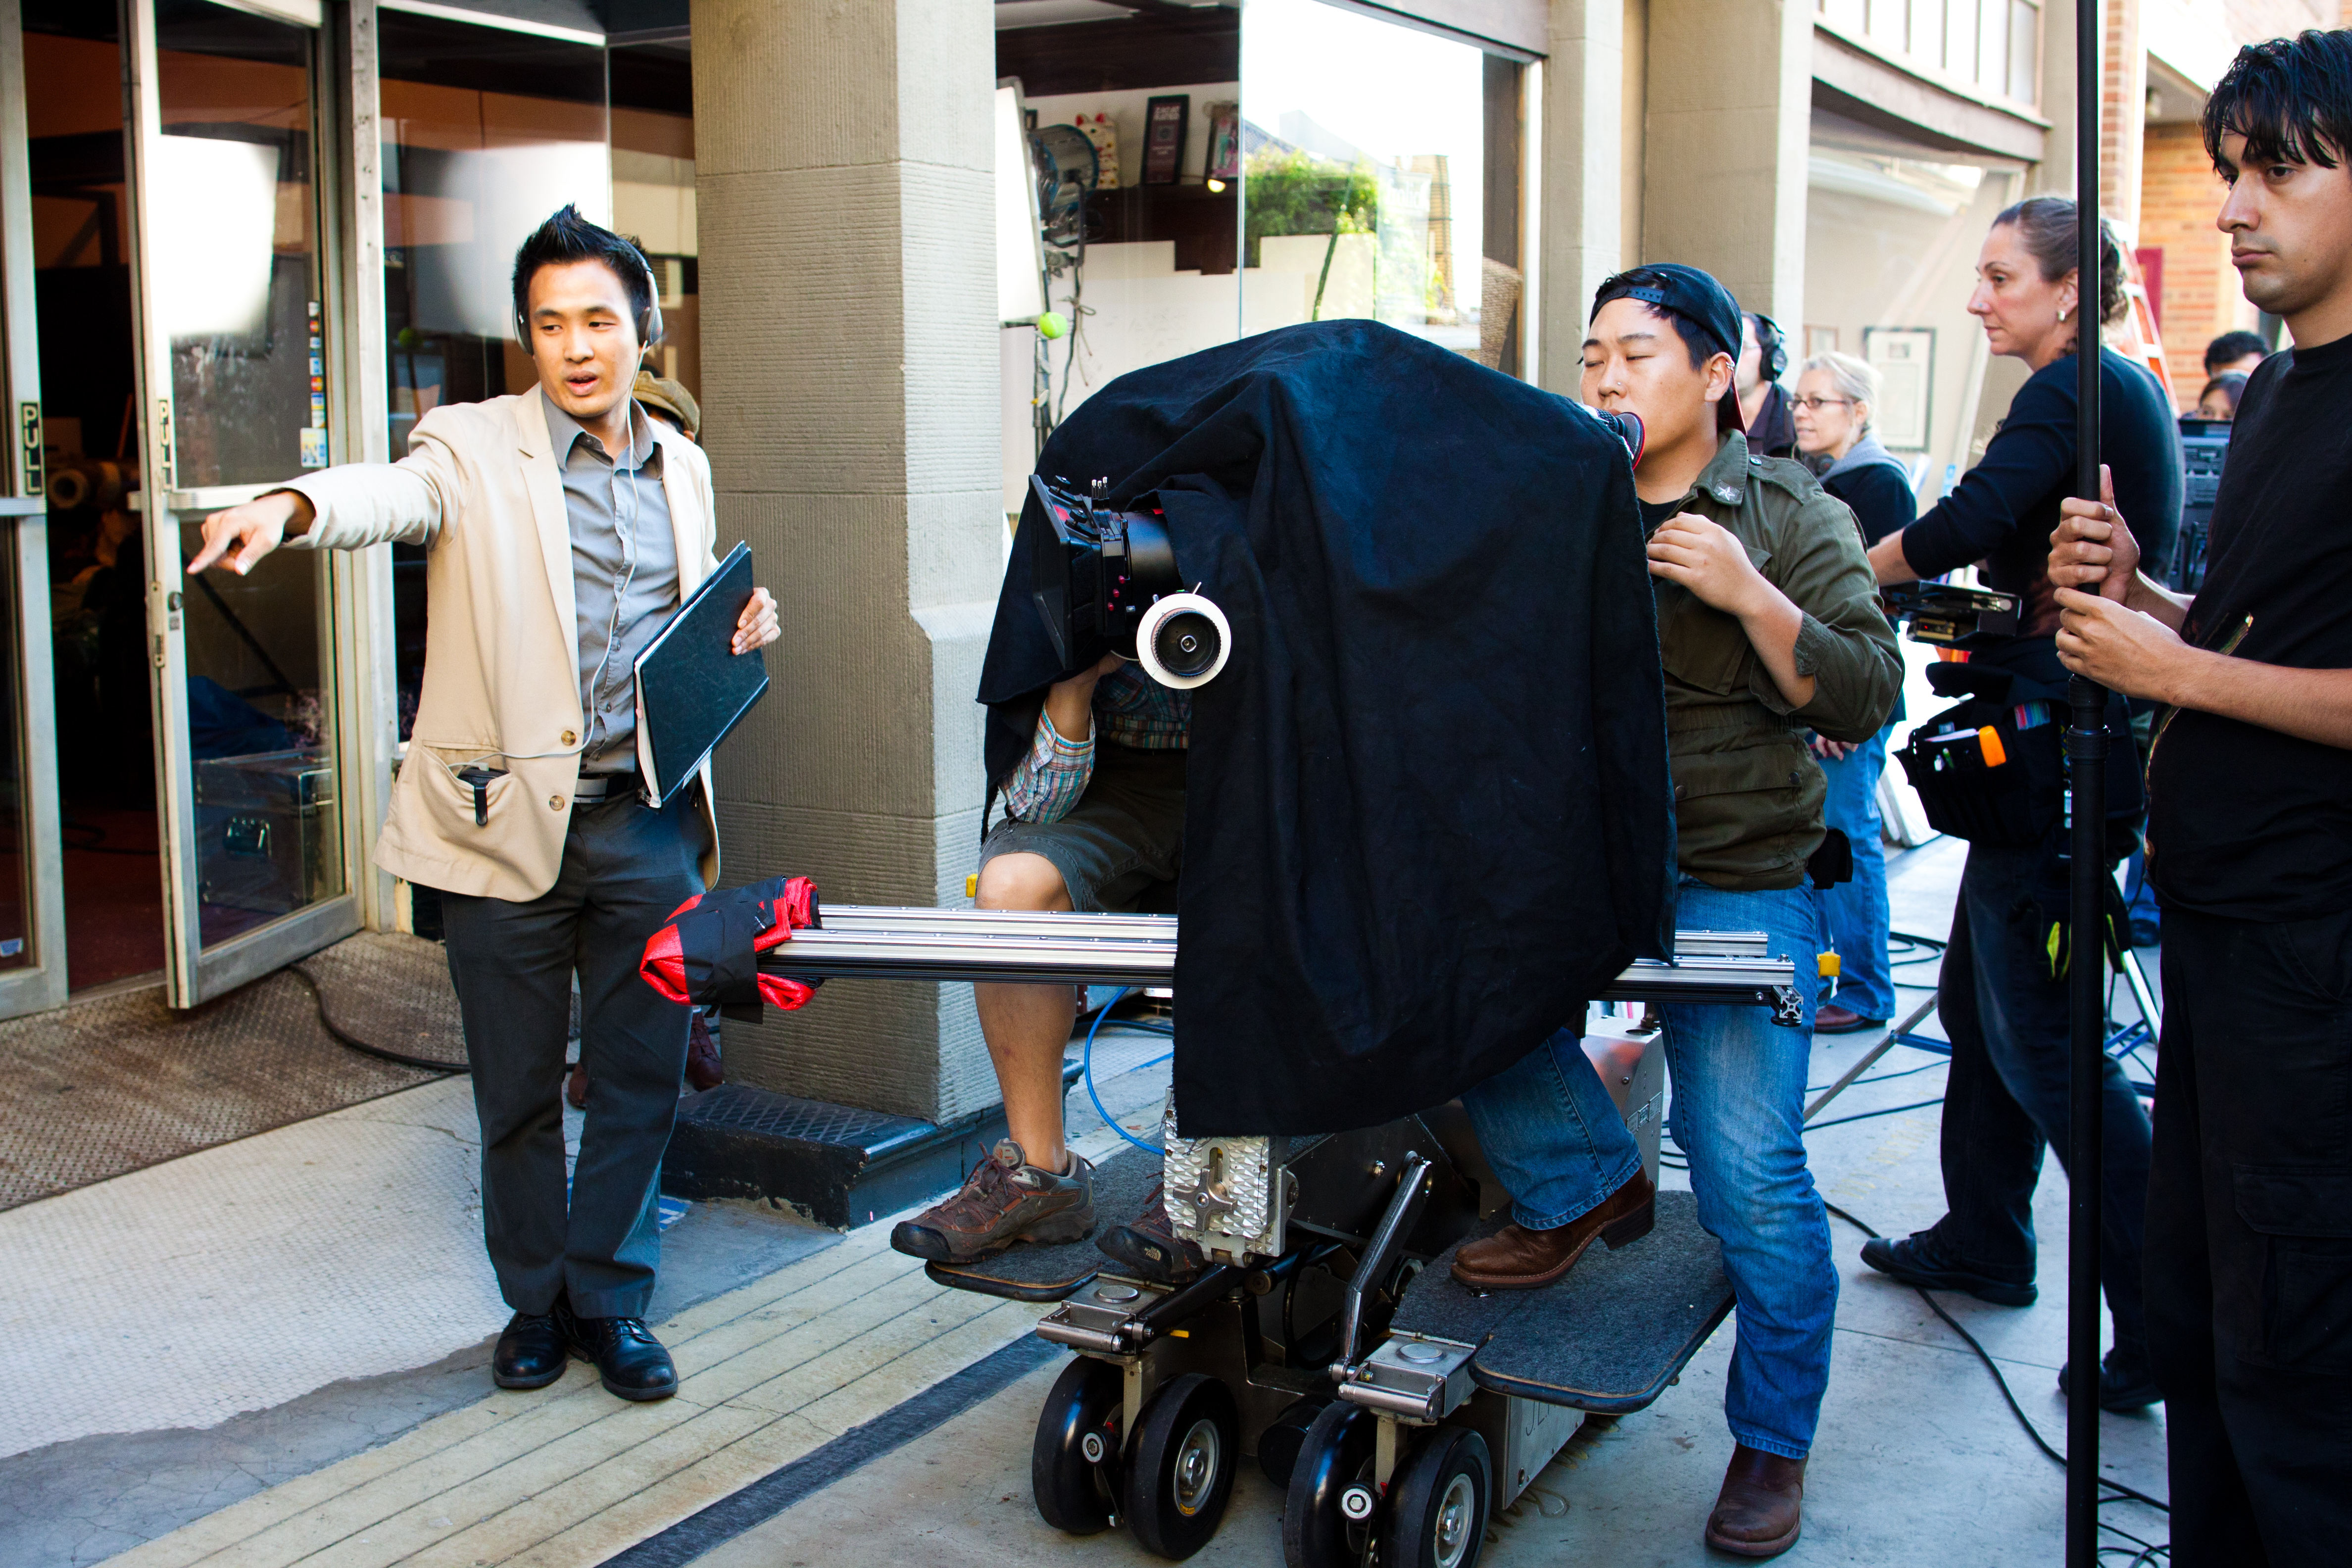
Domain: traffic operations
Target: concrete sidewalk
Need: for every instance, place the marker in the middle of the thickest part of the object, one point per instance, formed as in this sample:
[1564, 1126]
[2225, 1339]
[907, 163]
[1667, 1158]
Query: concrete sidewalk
[275, 1352]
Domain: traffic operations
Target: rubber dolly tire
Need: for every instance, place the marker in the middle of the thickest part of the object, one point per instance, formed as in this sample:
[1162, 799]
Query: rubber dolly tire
[1278, 1445]
[1074, 1464]
[1327, 1517]
[1181, 1466]
[1438, 1505]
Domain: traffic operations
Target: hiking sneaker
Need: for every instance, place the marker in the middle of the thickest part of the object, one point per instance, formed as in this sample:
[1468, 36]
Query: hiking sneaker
[1149, 1244]
[1913, 1261]
[1006, 1200]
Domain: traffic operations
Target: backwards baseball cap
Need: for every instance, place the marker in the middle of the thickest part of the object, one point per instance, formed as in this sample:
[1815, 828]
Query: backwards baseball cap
[1697, 298]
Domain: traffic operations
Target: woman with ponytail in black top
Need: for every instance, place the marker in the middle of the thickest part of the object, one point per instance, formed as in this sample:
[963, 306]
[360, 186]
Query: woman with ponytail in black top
[2002, 1001]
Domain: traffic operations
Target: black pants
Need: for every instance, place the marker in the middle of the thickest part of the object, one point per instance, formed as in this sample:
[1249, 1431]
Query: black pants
[2250, 1238]
[625, 867]
[2010, 1089]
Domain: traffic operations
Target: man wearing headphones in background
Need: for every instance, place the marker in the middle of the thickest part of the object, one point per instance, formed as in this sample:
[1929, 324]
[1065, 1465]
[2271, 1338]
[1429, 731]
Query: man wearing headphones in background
[563, 527]
[1764, 406]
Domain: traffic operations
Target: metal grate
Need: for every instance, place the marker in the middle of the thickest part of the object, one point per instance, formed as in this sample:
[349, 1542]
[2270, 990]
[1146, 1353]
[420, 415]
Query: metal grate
[104, 1087]
[741, 1108]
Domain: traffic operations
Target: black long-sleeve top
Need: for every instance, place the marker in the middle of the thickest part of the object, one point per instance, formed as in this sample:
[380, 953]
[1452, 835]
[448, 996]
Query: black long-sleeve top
[1879, 496]
[2002, 512]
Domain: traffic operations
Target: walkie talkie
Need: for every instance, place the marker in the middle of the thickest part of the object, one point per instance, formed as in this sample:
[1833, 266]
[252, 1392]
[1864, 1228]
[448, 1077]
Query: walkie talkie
[478, 778]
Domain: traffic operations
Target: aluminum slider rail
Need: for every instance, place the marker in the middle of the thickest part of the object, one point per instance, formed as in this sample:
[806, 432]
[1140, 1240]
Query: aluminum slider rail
[876, 942]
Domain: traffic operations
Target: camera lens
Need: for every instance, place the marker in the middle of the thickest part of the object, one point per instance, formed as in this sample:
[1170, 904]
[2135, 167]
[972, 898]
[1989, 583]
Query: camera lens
[1187, 643]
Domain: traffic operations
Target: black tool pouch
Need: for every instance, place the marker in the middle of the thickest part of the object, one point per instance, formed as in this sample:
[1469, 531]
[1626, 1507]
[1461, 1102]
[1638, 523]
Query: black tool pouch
[1993, 769]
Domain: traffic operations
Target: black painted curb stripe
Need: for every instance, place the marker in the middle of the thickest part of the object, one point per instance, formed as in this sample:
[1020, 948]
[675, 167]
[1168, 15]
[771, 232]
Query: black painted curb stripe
[769, 1496]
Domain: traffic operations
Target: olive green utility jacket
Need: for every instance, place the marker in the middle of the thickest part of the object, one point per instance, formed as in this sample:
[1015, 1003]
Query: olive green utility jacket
[1748, 794]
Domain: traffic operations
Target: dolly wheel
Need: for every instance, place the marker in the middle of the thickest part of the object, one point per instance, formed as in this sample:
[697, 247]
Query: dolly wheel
[1074, 1465]
[1278, 1445]
[1437, 1515]
[1180, 1473]
[1326, 1519]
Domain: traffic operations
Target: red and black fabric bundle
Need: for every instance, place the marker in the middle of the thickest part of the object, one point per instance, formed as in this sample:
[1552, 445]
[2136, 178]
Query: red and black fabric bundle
[709, 952]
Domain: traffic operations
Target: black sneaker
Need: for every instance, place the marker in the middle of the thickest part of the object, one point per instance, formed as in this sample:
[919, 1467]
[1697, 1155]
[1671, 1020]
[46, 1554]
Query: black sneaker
[1911, 1261]
[1006, 1200]
[2126, 1382]
[1149, 1246]
[632, 1362]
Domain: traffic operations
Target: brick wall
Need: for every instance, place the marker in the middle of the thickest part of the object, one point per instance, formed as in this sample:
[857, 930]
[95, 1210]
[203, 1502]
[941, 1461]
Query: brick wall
[2123, 111]
[2179, 194]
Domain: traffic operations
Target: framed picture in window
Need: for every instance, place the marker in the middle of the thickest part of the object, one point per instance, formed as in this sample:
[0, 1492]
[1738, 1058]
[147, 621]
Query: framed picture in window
[1906, 360]
[1163, 138]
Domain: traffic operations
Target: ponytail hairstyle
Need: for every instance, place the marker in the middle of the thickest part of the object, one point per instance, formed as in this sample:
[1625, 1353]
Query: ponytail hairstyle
[2046, 226]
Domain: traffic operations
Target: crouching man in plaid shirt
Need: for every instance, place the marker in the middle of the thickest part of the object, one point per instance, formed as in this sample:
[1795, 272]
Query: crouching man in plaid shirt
[1094, 821]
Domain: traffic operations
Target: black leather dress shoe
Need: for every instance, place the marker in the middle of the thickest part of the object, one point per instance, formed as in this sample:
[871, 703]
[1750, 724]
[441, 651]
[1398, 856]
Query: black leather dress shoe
[631, 1361]
[531, 1353]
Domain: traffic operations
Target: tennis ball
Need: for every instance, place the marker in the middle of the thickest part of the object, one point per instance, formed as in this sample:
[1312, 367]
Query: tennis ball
[1052, 324]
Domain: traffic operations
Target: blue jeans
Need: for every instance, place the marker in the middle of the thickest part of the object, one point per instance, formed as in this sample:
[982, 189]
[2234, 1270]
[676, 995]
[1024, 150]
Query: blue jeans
[1857, 910]
[1553, 1135]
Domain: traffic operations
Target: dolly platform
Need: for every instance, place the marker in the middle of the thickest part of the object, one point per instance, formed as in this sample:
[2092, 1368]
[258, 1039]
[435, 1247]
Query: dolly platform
[1324, 1334]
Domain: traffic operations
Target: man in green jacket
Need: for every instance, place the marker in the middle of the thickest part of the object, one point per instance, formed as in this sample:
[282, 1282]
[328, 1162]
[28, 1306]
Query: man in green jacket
[1769, 628]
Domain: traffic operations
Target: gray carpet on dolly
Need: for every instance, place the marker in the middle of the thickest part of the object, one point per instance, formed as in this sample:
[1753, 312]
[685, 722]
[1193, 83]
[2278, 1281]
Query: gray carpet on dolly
[112, 1085]
[1607, 1337]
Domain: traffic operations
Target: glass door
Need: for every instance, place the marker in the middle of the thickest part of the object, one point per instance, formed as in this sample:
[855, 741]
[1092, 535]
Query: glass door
[32, 907]
[233, 351]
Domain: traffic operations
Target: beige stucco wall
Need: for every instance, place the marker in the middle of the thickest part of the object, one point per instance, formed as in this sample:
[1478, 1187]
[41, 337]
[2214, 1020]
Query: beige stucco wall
[849, 354]
[1730, 94]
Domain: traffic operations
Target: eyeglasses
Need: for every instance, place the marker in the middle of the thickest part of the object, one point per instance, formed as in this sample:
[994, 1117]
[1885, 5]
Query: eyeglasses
[1815, 404]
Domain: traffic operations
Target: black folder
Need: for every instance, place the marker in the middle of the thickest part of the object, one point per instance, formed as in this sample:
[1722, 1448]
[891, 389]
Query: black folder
[692, 687]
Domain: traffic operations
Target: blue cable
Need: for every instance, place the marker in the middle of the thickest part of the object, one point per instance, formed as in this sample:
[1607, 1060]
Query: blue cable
[1088, 1070]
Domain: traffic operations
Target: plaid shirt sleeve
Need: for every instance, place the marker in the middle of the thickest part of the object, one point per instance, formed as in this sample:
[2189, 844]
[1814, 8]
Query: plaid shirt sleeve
[1051, 778]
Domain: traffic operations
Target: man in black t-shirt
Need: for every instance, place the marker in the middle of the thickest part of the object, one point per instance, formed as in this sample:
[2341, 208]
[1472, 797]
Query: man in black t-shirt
[2249, 1249]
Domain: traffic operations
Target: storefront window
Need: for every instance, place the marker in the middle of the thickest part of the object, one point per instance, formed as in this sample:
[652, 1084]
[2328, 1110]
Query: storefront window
[485, 132]
[653, 192]
[1133, 126]
[1364, 148]
[236, 241]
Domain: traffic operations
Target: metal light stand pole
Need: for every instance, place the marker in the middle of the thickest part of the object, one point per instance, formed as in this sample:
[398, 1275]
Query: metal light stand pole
[2086, 754]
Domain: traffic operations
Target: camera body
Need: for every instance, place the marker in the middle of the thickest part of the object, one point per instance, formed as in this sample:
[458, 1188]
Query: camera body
[1108, 584]
[1947, 615]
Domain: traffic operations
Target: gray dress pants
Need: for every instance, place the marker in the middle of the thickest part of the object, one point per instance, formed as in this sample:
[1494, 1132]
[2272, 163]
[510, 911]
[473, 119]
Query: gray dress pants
[625, 867]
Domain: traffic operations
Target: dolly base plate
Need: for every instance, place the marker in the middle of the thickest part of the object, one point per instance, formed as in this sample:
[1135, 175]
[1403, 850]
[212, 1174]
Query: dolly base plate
[1608, 1338]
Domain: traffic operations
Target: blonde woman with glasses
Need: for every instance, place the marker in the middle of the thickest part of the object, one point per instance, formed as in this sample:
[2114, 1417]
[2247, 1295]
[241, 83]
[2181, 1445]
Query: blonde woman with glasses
[1836, 395]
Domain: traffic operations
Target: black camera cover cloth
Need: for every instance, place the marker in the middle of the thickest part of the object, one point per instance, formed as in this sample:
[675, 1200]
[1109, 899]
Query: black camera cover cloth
[1427, 809]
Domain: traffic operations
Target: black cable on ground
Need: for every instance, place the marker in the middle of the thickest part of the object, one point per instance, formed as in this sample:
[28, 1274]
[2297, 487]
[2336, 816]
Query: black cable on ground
[344, 1037]
[2001, 1381]
[1903, 941]
[1866, 1115]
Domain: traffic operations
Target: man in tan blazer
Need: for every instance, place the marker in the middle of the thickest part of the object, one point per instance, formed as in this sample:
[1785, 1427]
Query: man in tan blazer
[563, 528]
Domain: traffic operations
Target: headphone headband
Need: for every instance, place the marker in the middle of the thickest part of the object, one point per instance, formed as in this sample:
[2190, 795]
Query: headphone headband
[1773, 342]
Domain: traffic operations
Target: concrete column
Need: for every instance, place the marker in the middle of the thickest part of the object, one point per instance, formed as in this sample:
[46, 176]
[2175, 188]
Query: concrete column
[1730, 91]
[842, 156]
[1581, 232]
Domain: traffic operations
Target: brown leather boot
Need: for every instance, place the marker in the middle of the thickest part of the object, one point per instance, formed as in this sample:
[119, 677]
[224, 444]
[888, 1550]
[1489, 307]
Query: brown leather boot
[1517, 1258]
[702, 1067]
[1761, 1507]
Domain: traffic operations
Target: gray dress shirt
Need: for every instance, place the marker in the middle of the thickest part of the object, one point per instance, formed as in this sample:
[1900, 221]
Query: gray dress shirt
[623, 573]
